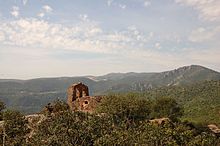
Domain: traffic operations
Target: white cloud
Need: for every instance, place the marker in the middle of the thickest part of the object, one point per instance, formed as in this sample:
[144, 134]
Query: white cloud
[208, 9]
[117, 37]
[15, 11]
[109, 2]
[24, 2]
[157, 45]
[86, 36]
[116, 4]
[151, 35]
[2, 36]
[83, 17]
[37, 38]
[147, 3]
[47, 8]
[41, 14]
[122, 6]
[202, 34]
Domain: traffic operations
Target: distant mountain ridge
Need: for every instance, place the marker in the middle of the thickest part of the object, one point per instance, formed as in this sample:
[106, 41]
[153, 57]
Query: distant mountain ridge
[31, 95]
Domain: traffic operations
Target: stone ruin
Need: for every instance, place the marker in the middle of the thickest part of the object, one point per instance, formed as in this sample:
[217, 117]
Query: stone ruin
[78, 98]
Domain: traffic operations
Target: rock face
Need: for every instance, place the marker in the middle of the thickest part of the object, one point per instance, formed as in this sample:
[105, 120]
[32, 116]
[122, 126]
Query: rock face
[78, 98]
[160, 121]
[214, 128]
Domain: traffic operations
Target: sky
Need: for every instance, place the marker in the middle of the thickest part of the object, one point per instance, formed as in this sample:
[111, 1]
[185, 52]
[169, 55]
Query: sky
[53, 38]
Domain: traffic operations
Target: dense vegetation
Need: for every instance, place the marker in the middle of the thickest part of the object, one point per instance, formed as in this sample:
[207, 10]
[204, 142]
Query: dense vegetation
[118, 120]
[201, 101]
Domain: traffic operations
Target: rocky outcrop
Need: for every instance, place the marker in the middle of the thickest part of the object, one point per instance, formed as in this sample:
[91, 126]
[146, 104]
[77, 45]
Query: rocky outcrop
[33, 122]
[214, 128]
[160, 121]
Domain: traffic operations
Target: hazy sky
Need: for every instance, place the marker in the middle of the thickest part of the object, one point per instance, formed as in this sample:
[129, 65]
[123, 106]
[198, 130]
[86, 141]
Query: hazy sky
[47, 38]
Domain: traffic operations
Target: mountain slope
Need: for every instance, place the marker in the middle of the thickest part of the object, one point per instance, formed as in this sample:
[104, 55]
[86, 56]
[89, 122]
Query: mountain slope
[201, 101]
[30, 95]
[144, 81]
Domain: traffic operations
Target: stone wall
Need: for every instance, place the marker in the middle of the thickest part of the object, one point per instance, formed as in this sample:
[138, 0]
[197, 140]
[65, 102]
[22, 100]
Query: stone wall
[87, 103]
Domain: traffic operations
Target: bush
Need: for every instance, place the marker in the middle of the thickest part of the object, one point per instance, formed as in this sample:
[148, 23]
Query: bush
[15, 127]
[125, 107]
[167, 107]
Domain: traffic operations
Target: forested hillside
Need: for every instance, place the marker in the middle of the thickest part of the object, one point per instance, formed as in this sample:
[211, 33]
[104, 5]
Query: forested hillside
[30, 96]
[201, 101]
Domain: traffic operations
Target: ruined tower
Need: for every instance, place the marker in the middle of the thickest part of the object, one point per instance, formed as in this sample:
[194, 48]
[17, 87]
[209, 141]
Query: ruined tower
[78, 98]
[75, 92]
